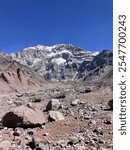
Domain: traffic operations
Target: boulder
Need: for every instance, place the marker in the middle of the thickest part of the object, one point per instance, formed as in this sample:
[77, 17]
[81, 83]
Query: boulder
[108, 120]
[55, 116]
[75, 102]
[54, 104]
[42, 146]
[80, 147]
[84, 90]
[59, 94]
[110, 104]
[36, 143]
[23, 116]
[18, 131]
[5, 145]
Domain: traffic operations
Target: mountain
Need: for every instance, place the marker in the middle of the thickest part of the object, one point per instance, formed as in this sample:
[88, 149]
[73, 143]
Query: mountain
[63, 62]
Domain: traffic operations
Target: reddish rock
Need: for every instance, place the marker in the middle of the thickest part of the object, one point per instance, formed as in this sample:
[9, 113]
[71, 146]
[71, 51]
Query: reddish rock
[24, 117]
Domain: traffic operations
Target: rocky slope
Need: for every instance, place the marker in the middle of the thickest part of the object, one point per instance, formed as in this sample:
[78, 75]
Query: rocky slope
[57, 118]
[15, 76]
[60, 62]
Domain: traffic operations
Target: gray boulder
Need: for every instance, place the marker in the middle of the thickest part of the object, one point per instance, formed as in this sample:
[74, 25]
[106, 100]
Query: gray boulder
[55, 116]
[54, 104]
[42, 146]
[75, 102]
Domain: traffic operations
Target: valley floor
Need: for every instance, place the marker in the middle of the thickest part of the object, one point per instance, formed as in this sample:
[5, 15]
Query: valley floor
[86, 122]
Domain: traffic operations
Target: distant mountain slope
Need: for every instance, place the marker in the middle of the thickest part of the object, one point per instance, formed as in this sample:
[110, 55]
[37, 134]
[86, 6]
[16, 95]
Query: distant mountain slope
[101, 66]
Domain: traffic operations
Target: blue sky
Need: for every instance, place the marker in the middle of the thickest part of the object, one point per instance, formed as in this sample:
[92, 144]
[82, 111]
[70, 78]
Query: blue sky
[83, 23]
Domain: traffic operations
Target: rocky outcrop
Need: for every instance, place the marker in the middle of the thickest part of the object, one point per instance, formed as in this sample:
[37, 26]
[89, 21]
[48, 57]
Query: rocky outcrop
[24, 117]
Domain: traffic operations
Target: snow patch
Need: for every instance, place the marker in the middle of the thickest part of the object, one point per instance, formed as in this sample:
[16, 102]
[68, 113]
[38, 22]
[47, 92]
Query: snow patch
[51, 54]
[49, 48]
[28, 48]
[36, 60]
[59, 61]
[65, 51]
[95, 53]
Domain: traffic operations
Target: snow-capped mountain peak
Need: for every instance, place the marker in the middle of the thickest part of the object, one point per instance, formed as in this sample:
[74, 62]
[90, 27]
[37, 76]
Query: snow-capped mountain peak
[60, 62]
